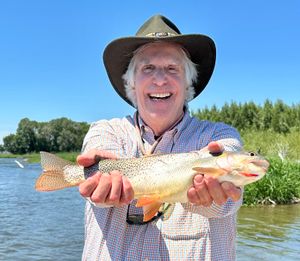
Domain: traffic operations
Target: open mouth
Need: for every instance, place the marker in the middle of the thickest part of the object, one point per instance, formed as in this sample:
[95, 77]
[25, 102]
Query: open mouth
[160, 96]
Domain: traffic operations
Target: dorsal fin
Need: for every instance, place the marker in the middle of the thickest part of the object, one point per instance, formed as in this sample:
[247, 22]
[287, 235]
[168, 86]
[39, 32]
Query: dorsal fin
[52, 162]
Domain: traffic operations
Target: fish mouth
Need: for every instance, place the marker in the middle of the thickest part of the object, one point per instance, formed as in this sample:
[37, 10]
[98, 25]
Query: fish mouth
[264, 164]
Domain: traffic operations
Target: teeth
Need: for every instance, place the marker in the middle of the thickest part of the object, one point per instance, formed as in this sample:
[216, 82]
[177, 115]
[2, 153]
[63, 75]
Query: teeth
[160, 95]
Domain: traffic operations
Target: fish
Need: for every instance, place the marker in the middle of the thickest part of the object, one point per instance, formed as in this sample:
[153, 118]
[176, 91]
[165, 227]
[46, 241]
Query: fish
[157, 179]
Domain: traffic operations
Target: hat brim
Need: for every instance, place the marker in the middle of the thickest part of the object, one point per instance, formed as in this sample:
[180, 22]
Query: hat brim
[119, 52]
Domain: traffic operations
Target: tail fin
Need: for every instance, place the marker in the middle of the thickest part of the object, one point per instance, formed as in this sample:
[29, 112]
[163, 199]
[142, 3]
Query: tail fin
[52, 177]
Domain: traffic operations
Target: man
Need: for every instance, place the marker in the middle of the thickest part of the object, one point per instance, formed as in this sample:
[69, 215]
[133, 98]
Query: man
[158, 71]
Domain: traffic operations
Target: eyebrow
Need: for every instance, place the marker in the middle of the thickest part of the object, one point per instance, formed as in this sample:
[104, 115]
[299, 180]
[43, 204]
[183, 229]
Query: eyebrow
[143, 61]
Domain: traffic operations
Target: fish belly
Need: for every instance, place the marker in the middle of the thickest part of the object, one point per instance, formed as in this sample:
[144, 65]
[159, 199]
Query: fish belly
[166, 185]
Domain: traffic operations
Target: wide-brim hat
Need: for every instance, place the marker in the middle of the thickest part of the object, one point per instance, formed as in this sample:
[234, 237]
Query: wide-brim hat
[118, 53]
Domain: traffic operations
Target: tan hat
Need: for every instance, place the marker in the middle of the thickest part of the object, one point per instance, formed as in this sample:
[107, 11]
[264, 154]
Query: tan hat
[119, 52]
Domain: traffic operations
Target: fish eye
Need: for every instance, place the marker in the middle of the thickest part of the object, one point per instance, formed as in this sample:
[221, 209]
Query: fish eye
[252, 154]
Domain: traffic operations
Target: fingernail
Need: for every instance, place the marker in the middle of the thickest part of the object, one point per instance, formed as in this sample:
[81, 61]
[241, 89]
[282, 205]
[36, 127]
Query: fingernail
[198, 179]
[226, 186]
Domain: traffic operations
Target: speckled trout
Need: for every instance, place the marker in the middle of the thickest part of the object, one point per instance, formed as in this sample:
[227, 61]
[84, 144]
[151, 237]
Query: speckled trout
[157, 179]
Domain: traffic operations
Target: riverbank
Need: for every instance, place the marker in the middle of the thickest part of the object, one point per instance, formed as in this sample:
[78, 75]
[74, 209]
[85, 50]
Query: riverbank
[36, 158]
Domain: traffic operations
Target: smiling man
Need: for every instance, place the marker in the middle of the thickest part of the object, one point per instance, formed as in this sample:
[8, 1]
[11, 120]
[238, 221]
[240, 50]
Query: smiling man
[158, 71]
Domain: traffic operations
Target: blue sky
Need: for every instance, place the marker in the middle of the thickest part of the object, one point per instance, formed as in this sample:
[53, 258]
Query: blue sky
[51, 53]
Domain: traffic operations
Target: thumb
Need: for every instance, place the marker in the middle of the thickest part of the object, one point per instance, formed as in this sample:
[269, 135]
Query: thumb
[215, 147]
[93, 156]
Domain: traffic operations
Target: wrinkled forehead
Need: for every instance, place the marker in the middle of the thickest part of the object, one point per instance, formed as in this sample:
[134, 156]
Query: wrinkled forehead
[170, 52]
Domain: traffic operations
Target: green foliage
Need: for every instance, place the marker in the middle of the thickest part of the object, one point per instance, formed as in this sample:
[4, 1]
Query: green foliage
[273, 130]
[10, 143]
[57, 135]
[277, 117]
[281, 185]
[272, 144]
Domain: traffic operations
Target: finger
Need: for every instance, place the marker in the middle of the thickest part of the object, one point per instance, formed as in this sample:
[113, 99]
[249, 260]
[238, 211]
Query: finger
[93, 156]
[193, 196]
[88, 186]
[127, 191]
[102, 191]
[231, 191]
[215, 147]
[116, 188]
[198, 194]
[202, 191]
[215, 190]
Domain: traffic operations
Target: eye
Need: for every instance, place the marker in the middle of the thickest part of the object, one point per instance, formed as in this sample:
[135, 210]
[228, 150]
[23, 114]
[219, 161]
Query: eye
[252, 154]
[173, 69]
[148, 68]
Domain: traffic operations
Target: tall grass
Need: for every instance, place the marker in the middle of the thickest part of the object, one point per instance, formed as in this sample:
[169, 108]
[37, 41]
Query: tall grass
[272, 144]
[281, 185]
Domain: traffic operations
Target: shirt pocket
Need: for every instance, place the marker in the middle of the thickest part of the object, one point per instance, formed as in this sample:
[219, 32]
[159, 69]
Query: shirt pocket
[184, 225]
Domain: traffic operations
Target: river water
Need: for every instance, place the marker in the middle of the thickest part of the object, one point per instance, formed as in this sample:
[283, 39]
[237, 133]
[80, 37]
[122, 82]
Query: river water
[49, 226]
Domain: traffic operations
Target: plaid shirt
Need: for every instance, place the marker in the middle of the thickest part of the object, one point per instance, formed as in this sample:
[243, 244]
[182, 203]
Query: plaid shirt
[192, 232]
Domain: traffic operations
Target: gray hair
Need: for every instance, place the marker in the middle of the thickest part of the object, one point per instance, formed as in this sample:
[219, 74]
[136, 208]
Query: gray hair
[189, 68]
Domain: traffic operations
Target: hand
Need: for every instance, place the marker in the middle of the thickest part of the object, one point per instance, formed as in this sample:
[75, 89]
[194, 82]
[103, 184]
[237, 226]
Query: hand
[105, 188]
[207, 189]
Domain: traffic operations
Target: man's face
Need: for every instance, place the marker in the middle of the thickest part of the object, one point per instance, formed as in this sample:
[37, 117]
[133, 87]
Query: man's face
[160, 85]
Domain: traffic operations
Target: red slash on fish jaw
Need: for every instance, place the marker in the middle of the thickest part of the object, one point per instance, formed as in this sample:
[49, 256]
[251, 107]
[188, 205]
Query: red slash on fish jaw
[249, 174]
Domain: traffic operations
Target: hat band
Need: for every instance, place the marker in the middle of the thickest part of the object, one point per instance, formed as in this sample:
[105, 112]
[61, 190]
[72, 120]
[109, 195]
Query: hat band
[160, 34]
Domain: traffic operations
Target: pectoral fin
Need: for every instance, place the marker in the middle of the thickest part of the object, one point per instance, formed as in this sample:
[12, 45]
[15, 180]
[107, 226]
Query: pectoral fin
[151, 205]
[151, 210]
[147, 200]
[210, 171]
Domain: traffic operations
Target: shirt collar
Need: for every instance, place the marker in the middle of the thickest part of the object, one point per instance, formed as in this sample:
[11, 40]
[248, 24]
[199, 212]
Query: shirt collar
[177, 128]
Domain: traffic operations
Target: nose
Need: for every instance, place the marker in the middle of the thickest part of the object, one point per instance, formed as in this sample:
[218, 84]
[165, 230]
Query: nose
[159, 77]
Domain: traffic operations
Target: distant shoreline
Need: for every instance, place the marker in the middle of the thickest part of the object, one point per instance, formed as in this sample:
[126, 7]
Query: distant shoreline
[35, 157]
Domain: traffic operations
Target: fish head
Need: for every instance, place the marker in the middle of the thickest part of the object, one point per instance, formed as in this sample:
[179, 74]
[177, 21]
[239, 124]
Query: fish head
[243, 167]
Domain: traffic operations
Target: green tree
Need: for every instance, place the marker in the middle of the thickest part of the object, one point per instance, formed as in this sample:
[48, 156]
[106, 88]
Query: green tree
[65, 135]
[57, 135]
[26, 135]
[235, 115]
[43, 137]
[279, 120]
[10, 143]
[250, 116]
[225, 114]
[266, 115]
